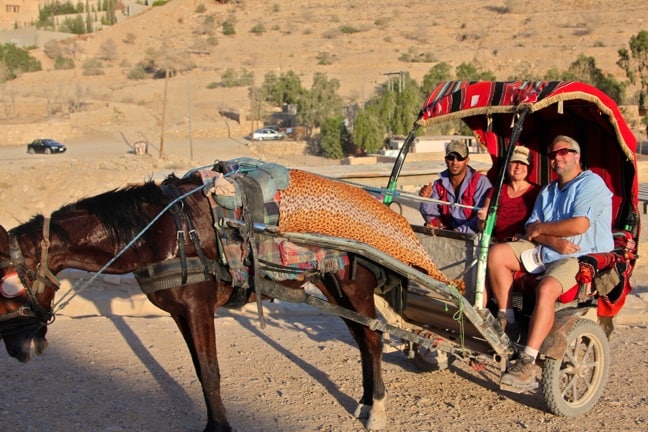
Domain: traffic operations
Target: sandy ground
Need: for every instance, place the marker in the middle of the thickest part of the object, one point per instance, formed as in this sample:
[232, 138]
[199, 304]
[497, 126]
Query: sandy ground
[301, 373]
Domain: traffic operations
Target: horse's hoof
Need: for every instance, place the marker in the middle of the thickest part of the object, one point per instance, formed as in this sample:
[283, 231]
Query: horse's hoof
[362, 411]
[377, 416]
[217, 427]
[374, 414]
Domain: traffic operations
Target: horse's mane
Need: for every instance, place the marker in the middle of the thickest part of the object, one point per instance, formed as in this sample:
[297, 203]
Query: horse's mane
[123, 211]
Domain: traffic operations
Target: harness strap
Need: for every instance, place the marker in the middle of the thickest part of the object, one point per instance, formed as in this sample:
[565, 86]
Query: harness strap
[176, 211]
[247, 232]
[44, 272]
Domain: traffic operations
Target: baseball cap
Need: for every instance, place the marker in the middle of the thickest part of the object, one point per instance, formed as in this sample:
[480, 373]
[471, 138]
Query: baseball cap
[459, 147]
[521, 154]
[532, 260]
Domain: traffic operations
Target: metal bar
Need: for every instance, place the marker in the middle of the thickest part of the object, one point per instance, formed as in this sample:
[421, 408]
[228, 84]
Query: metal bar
[484, 244]
[434, 288]
[274, 290]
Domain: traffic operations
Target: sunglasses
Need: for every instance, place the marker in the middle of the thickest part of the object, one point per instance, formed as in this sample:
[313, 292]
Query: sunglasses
[560, 152]
[452, 157]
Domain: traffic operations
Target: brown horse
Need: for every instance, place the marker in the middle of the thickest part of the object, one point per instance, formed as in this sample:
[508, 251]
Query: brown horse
[132, 228]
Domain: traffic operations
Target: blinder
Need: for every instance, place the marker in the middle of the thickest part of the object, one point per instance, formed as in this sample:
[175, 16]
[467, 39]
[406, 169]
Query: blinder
[31, 315]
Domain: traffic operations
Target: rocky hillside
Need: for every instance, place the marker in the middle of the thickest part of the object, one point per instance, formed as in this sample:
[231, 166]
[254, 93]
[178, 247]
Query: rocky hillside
[357, 42]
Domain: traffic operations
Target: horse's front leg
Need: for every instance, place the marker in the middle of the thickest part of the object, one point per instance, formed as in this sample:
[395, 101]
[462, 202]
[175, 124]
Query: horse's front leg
[203, 335]
[194, 315]
[372, 403]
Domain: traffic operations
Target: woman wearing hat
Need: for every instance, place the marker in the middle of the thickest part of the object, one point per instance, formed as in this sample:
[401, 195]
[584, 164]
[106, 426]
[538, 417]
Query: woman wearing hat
[516, 198]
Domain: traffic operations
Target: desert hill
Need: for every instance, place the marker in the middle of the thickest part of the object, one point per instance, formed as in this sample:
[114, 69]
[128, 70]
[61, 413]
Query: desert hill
[356, 42]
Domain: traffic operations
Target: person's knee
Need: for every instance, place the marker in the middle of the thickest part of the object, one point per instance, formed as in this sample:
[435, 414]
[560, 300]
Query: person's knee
[501, 256]
[548, 291]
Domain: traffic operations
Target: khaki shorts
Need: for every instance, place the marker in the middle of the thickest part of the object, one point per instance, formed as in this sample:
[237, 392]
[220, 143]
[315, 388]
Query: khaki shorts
[564, 270]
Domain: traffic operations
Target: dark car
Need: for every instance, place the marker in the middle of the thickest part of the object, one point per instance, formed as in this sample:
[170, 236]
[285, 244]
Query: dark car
[46, 146]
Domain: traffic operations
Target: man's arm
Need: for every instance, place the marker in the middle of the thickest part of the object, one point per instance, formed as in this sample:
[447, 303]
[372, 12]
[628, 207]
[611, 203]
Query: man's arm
[430, 211]
[552, 234]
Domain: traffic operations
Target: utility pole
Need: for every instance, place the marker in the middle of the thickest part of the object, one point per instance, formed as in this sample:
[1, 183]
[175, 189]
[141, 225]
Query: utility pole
[189, 109]
[164, 103]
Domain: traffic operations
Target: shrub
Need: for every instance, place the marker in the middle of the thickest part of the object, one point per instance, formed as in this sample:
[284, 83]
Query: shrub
[130, 38]
[324, 58]
[200, 8]
[17, 60]
[52, 49]
[137, 73]
[347, 29]
[258, 29]
[228, 29]
[93, 67]
[62, 63]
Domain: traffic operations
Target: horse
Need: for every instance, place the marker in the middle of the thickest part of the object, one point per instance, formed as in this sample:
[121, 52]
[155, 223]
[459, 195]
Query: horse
[138, 227]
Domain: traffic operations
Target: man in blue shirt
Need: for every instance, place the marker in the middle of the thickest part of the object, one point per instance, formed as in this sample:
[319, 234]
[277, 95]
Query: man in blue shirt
[572, 216]
[458, 184]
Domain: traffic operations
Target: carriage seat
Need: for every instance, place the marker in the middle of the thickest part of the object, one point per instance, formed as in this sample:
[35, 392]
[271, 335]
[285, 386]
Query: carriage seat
[604, 276]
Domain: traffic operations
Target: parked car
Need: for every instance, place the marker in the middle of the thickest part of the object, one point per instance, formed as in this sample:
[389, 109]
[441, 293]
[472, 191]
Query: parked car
[46, 146]
[267, 134]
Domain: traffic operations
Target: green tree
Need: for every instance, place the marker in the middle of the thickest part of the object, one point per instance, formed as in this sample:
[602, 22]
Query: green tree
[584, 69]
[283, 89]
[397, 107]
[368, 133]
[320, 102]
[438, 73]
[635, 64]
[469, 72]
[330, 137]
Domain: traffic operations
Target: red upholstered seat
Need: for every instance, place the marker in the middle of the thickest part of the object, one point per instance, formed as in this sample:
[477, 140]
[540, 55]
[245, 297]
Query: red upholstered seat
[593, 277]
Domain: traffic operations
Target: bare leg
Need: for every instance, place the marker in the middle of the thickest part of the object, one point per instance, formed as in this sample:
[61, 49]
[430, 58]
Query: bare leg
[502, 262]
[544, 312]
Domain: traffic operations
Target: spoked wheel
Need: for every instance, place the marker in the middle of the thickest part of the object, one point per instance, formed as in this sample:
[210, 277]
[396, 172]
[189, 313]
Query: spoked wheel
[573, 384]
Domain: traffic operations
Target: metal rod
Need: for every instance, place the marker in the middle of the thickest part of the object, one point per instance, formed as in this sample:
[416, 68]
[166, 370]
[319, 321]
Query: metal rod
[484, 244]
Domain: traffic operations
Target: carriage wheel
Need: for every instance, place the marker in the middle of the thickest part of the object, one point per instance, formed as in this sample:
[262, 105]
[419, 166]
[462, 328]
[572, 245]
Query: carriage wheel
[573, 384]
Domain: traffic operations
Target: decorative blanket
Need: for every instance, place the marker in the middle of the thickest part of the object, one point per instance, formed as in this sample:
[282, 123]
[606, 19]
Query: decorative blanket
[309, 203]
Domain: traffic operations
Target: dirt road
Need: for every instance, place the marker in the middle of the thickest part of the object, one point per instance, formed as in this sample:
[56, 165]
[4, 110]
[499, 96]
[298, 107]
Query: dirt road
[301, 373]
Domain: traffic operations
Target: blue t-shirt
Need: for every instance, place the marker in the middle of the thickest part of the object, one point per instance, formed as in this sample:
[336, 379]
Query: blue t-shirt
[586, 195]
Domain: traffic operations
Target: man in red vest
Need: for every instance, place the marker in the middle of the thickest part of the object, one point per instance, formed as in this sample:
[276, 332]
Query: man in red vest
[458, 184]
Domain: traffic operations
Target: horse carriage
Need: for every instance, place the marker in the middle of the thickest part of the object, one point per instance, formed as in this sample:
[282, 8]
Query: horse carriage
[245, 231]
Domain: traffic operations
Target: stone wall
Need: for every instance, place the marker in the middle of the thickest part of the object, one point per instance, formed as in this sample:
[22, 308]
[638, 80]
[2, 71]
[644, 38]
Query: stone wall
[24, 133]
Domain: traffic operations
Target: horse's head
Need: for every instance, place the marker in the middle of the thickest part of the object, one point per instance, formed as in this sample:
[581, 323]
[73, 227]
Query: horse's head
[24, 312]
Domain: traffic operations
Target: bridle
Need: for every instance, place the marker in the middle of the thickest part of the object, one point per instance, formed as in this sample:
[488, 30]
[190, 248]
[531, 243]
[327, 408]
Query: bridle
[34, 282]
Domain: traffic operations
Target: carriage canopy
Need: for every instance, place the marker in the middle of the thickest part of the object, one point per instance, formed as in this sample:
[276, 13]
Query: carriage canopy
[553, 108]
